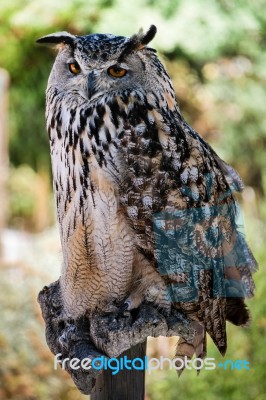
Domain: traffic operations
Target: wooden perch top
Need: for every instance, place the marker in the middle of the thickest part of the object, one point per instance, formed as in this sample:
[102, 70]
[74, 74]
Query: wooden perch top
[103, 335]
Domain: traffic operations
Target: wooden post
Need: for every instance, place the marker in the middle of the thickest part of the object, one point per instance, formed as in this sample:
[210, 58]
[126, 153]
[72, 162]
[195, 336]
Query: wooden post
[4, 85]
[127, 384]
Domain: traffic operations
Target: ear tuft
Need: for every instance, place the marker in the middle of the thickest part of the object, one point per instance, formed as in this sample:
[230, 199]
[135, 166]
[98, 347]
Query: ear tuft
[149, 35]
[57, 38]
[138, 41]
[141, 39]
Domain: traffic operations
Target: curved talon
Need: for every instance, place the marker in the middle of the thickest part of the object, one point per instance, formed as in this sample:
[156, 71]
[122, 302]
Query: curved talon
[124, 307]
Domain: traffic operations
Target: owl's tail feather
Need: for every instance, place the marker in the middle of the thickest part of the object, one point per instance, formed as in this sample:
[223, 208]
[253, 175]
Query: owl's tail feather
[237, 312]
[185, 351]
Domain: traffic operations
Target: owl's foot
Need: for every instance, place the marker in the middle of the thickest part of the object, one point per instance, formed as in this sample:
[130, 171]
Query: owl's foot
[185, 350]
[132, 302]
[154, 295]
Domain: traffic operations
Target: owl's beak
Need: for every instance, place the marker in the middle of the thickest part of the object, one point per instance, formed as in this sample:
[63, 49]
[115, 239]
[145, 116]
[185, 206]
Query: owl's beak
[91, 84]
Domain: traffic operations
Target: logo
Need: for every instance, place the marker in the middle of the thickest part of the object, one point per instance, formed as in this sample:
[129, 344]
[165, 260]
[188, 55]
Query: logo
[148, 364]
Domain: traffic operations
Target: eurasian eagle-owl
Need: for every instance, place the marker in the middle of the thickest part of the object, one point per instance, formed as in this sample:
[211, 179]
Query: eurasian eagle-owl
[145, 206]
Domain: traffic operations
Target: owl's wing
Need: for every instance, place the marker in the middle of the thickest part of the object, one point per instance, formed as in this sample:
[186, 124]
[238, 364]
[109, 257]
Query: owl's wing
[178, 195]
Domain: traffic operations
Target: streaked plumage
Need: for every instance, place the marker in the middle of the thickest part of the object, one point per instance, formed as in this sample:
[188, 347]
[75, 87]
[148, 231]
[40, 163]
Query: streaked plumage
[145, 206]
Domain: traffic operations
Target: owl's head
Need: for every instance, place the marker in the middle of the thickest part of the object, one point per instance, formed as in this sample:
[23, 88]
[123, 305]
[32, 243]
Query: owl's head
[93, 65]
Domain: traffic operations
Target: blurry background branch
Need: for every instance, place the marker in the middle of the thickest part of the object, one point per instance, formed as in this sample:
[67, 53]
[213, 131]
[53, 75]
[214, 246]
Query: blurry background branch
[215, 53]
[4, 91]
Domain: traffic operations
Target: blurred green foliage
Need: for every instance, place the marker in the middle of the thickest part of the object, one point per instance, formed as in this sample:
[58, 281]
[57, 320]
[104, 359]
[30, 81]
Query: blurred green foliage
[214, 52]
[30, 199]
[22, 199]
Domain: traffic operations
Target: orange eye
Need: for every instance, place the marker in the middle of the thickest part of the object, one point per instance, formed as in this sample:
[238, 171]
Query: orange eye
[74, 68]
[116, 71]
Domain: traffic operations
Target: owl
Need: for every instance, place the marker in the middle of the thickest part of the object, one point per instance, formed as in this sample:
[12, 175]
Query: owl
[146, 208]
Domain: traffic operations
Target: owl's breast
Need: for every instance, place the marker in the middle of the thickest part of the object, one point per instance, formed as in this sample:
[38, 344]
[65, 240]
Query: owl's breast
[96, 239]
